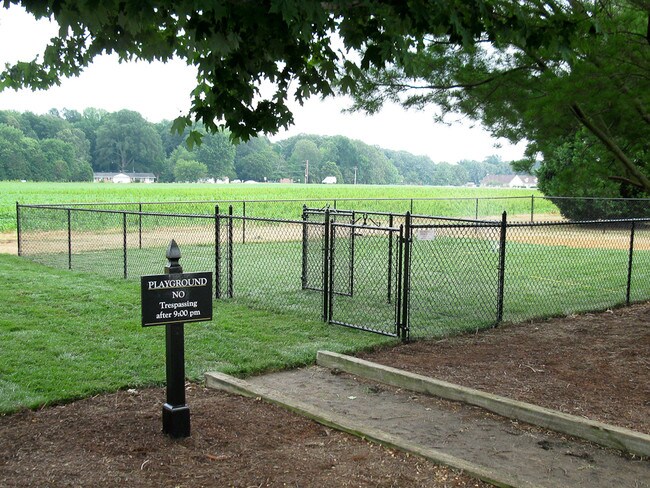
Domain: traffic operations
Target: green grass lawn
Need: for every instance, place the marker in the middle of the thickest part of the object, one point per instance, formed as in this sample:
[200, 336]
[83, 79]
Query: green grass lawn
[68, 335]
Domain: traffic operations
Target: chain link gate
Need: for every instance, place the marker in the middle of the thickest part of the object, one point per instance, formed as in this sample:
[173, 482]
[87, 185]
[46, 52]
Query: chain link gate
[377, 257]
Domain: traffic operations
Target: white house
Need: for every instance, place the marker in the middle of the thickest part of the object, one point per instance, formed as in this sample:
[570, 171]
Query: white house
[121, 178]
[330, 180]
[124, 177]
[510, 181]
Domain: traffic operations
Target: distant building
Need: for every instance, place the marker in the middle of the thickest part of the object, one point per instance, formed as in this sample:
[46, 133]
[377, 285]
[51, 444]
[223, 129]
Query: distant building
[124, 178]
[510, 181]
[330, 180]
[286, 180]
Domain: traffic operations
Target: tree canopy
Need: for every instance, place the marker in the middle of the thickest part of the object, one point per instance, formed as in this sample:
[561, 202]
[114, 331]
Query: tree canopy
[125, 141]
[593, 99]
[295, 48]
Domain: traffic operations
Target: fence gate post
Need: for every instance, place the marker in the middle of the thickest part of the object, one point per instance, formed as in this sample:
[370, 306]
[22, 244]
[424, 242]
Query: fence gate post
[69, 240]
[124, 240]
[217, 253]
[502, 267]
[140, 224]
[532, 208]
[406, 275]
[326, 266]
[243, 223]
[230, 252]
[629, 264]
[305, 237]
[390, 258]
[398, 292]
[351, 251]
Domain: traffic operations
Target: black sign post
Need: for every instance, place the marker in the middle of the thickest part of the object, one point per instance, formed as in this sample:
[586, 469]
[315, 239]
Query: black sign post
[171, 300]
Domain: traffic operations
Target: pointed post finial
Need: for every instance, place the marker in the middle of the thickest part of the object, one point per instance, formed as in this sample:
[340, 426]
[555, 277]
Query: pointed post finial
[173, 256]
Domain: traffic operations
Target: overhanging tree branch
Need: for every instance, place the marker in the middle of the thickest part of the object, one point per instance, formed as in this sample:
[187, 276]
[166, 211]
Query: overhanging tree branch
[610, 144]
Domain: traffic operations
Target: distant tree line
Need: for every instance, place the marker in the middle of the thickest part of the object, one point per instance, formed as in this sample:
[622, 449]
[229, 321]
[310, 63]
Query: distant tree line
[69, 146]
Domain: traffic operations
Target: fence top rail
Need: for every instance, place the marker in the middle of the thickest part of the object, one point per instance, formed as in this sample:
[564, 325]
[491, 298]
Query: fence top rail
[120, 212]
[495, 223]
[577, 222]
[333, 211]
[394, 214]
[366, 227]
[606, 199]
[455, 219]
[247, 218]
[460, 225]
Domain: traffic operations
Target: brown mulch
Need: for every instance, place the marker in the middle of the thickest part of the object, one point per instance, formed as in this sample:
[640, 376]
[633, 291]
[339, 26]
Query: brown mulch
[594, 365]
[116, 440]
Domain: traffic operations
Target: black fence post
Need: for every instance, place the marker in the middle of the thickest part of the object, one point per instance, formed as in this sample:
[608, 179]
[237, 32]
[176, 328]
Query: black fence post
[124, 241]
[629, 264]
[476, 210]
[326, 265]
[502, 267]
[69, 240]
[532, 208]
[332, 263]
[18, 229]
[230, 252]
[390, 257]
[352, 244]
[305, 237]
[406, 275]
[217, 253]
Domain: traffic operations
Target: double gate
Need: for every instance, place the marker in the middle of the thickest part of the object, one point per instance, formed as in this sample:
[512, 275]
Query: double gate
[358, 268]
[354, 265]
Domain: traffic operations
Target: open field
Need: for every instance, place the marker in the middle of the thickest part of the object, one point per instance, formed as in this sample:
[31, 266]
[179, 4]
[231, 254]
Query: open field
[57, 193]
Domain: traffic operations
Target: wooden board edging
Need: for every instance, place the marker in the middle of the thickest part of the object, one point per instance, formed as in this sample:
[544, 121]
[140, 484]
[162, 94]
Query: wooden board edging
[598, 432]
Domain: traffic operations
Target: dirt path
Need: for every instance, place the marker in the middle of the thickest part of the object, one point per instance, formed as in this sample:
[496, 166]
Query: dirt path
[8, 243]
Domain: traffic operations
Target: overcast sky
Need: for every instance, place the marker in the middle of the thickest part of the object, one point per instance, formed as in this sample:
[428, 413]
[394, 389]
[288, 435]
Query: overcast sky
[162, 91]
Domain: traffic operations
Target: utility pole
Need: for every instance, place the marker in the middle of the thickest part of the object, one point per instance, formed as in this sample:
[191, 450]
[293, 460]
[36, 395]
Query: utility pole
[355, 175]
[306, 171]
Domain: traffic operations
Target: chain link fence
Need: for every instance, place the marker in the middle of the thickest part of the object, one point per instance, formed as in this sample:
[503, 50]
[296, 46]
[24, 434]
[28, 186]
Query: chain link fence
[396, 274]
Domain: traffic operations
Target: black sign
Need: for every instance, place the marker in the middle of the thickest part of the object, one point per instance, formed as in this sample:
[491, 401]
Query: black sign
[176, 298]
